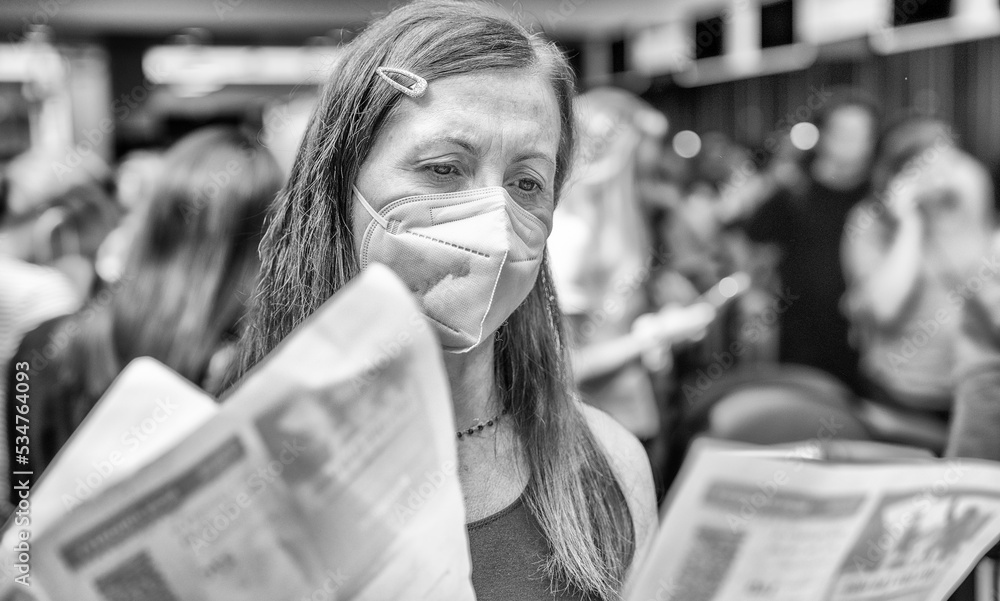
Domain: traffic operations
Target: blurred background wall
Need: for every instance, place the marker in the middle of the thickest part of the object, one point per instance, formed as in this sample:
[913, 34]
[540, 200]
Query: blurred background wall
[742, 67]
[958, 83]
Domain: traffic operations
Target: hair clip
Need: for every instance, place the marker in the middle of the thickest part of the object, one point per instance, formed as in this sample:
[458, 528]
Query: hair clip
[413, 90]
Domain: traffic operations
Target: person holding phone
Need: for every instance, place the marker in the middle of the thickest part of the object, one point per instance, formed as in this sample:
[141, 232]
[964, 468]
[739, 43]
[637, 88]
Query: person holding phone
[907, 256]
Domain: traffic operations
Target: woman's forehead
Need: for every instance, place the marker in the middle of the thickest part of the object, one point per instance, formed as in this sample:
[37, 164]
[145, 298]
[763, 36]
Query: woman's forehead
[509, 107]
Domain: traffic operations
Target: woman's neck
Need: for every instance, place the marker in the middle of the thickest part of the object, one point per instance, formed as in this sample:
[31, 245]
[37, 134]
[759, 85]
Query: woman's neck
[472, 385]
[491, 469]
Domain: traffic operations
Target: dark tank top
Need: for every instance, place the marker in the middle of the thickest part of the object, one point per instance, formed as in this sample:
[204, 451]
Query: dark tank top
[508, 551]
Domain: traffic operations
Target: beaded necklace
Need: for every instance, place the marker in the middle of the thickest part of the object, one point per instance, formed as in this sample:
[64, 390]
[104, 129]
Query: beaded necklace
[479, 426]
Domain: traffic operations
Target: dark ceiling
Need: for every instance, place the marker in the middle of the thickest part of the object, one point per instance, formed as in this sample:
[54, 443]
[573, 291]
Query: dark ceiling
[264, 19]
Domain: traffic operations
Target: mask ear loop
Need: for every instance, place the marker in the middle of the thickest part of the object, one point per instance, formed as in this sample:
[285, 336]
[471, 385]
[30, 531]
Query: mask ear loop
[371, 211]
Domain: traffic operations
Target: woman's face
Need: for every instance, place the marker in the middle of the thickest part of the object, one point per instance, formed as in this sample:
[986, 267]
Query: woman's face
[491, 128]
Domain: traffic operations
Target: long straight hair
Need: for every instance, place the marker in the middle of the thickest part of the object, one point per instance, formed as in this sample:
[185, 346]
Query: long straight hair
[308, 254]
[192, 268]
[186, 282]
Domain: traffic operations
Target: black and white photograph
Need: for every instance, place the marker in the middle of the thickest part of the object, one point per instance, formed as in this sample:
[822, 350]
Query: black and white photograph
[499, 300]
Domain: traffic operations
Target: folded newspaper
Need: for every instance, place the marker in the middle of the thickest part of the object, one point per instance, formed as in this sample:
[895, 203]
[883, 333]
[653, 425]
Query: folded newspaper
[781, 525]
[330, 473]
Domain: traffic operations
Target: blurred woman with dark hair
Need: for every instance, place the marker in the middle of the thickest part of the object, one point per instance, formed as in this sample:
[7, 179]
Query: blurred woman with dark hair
[439, 148]
[195, 259]
[181, 295]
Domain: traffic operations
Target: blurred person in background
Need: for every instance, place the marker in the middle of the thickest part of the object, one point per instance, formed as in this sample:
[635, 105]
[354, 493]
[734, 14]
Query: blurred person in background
[703, 248]
[975, 424]
[64, 232]
[182, 292]
[974, 430]
[47, 250]
[782, 171]
[35, 177]
[57, 218]
[783, 174]
[695, 230]
[136, 176]
[907, 254]
[692, 232]
[663, 193]
[601, 255]
[806, 223]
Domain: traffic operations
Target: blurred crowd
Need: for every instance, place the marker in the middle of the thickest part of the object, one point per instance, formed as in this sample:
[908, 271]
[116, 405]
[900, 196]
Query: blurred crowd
[770, 293]
[157, 258]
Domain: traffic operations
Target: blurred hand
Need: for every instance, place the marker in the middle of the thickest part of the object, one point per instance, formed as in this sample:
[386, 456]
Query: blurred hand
[674, 323]
[902, 193]
[932, 181]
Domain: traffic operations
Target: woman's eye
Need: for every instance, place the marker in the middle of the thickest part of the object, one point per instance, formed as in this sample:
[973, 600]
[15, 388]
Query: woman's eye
[442, 170]
[528, 185]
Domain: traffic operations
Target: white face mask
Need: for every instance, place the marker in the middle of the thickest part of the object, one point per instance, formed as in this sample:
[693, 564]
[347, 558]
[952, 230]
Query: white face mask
[470, 257]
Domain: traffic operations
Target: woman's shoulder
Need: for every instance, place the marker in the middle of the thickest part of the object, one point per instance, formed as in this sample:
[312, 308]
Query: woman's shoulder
[631, 466]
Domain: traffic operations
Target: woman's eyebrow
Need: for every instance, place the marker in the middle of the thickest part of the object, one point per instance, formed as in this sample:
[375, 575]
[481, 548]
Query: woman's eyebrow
[536, 154]
[447, 139]
[471, 148]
